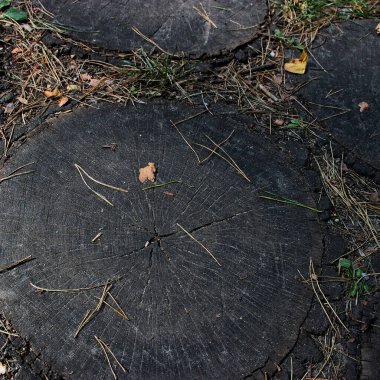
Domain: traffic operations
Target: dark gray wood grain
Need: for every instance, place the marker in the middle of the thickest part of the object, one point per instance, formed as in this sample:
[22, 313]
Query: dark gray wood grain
[350, 55]
[190, 318]
[174, 25]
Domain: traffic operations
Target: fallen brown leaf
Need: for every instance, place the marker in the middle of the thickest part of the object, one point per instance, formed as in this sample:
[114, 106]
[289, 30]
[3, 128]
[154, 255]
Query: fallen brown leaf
[375, 197]
[363, 106]
[22, 100]
[168, 193]
[279, 122]
[378, 28]
[94, 82]
[52, 94]
[9, 107]
[17, 50]
[147, 173]
[63, 101]
[85, 76]
[278, 79]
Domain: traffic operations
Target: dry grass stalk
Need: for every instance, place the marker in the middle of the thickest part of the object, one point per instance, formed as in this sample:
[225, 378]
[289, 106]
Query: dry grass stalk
[323, 301]
[15, 173]
[70, 290]
[105, 348]
[81, 171]
[117, 308]
[187, 143]
[348, 193]
[202, 12]
[96, 237]
[90, 314]
[217, 146]
[197, 241]
[142, 35]
[15, 264]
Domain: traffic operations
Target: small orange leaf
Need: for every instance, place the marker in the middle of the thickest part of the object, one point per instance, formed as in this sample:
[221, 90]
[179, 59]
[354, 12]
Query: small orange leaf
[63, 101]
[52, 94]
[363, 106]
[147, 173]
[17, 50]
[297, 65]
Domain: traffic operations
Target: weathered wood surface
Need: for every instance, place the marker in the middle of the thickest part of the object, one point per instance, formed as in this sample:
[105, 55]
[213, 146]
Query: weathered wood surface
[370, 346]
[190, 317]
[347, 73]
[175, 25]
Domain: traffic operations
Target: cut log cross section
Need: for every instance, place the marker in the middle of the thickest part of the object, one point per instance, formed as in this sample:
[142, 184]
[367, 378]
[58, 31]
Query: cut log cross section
[193, 27]
[191, 276]
[344, 90]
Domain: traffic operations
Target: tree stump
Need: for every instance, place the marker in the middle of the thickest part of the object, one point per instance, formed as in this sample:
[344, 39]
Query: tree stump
[206, 269]
[192, 27]
[345, 75]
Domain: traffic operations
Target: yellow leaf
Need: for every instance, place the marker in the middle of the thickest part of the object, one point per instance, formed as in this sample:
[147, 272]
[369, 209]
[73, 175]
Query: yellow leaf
[73, 87]
[52, 94]
[147, 173]
[378, 28]
[297, 65]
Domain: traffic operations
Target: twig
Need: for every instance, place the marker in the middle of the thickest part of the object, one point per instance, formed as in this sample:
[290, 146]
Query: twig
[268, 93]
[197, 241]
[15, 264]
[8, 333]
